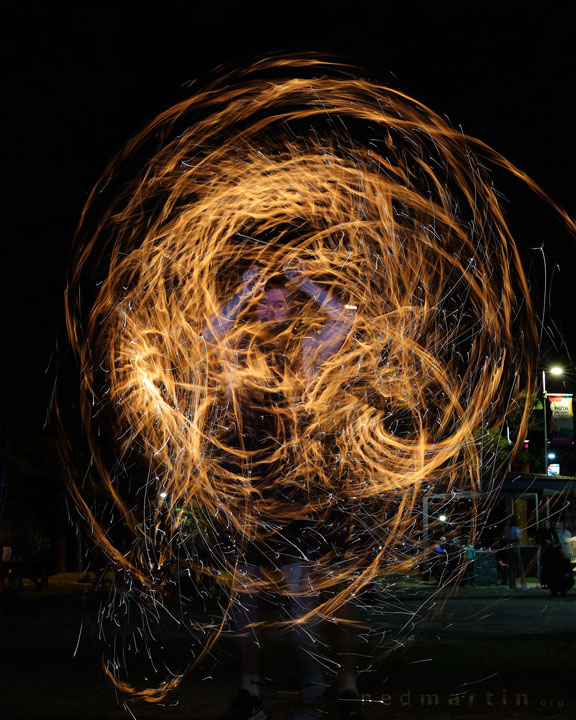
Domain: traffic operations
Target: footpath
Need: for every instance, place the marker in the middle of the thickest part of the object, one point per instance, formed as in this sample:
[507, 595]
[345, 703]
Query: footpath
[458, 653]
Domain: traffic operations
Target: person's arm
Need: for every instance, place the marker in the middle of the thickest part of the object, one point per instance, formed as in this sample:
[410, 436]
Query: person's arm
[333, 334]
[218, 326]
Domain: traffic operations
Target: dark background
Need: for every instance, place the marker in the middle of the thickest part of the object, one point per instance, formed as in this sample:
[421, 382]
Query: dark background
[81, 78]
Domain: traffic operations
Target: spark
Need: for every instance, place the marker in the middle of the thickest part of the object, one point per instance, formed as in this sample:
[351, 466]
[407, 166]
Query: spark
[393, 214]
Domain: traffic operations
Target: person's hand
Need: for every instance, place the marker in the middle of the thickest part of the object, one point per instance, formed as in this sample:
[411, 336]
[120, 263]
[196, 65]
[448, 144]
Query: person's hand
[253, 279]
[294, 271]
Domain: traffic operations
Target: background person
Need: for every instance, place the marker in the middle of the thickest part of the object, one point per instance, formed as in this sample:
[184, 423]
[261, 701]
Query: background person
[513, 556]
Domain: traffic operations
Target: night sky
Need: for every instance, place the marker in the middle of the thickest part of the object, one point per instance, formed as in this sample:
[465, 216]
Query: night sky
[81, 78]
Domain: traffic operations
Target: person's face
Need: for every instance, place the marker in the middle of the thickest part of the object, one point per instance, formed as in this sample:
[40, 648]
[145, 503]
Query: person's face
[274, 308]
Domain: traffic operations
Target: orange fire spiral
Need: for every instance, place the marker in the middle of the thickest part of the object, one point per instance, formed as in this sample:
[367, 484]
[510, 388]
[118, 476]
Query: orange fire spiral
[408, 314]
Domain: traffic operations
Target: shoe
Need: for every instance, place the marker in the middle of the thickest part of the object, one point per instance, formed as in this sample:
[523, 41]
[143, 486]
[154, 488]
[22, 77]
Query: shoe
[349, 706]
[245, 707]
[317, 709]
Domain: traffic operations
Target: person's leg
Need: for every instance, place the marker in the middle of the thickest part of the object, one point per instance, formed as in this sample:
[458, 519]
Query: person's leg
[512, 568]
[246, 622]
[343, 639]
[521, 569]
[297, 579]
[246, 617]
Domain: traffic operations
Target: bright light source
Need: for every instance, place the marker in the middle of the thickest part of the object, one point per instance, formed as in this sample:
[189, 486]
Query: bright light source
[351, 307]
[551, 456]
[443, 518]
[163, 494]
[556, 371]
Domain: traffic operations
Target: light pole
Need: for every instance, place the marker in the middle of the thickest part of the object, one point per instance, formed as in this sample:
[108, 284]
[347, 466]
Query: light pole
[553, 371]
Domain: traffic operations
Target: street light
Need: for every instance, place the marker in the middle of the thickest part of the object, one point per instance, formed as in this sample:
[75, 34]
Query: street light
[553, 371]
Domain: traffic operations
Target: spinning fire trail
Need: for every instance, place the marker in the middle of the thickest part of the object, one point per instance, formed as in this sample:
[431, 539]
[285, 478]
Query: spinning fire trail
[219, 431]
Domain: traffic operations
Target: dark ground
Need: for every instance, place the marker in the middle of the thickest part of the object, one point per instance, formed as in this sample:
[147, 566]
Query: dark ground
[482, 653]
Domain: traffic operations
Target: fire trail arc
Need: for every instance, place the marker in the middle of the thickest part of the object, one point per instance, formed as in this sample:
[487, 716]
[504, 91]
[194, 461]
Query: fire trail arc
[212, 439]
